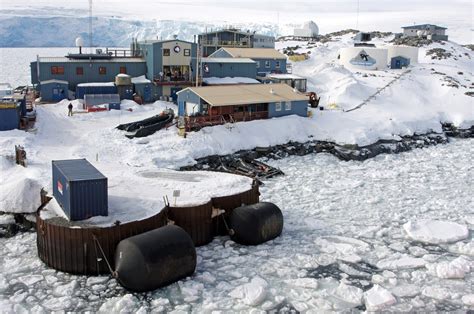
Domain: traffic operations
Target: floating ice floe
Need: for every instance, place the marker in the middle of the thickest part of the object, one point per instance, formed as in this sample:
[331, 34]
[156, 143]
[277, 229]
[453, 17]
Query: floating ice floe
[349, 294]
[377, 298]
[463, 248]
[468, 299]
[252, 293]
[405, 262]
[435, 231]
[437, 293]
[456, 269]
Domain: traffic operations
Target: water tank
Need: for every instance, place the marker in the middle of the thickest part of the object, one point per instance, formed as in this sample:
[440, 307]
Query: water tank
[155, 258]
[365, 58]
[256, 224]
[123, 79]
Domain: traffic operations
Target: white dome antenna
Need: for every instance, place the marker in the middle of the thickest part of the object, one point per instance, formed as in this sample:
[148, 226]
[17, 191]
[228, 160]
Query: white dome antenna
[80, 43]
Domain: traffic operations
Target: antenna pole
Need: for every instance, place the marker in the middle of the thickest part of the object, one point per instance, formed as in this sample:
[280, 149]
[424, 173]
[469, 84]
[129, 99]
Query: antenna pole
[90, 25]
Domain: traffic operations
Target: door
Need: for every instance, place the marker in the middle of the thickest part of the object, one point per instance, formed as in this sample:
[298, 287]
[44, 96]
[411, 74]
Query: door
[174, 95]
[147, 93]
[58, 94]
[398, 64]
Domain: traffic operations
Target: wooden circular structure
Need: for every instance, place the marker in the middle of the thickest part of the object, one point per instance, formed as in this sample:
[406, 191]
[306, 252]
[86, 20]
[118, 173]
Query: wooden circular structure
[90, 250]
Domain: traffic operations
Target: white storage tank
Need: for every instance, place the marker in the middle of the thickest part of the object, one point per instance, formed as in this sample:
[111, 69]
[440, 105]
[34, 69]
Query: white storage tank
[123, 79]
[407, 52]
[364, 58]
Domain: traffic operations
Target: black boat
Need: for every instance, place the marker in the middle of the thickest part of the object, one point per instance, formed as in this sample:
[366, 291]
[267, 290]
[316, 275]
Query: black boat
[132, 126]
[144, 130]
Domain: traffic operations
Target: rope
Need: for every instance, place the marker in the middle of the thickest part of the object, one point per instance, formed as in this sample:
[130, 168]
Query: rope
[230, 231]
[112, 272]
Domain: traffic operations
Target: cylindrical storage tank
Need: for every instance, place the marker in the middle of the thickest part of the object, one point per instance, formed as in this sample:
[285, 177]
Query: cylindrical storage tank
[154, 259]
[256, 224]
[408, 52]
[364, 58]
[123, 79]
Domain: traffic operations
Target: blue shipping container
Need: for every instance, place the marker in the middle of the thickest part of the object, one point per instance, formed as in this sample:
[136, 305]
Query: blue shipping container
[95, 89]
[9, 118]
[80, 189]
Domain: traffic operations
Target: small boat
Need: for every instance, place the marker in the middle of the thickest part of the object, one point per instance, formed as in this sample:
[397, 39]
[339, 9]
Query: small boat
[149, 128]
[132, 126]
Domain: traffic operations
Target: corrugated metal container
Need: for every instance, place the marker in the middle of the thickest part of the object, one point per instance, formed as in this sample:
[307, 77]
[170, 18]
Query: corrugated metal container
[111, 100]
[95, 89]
[80, 189]
[9, 116]
[125, 91]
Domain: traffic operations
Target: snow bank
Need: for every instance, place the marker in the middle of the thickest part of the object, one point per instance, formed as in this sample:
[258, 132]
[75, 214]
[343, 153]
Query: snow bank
[435, 232]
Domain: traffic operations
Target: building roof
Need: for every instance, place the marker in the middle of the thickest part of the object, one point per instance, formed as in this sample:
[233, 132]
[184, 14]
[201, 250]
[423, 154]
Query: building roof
[229, 30]
[253, 53]
[54, 81]
[67, 60]
[96, 84]
[284, 76]
[157, 41]
[78, 170]
[423, 26]
[229, 80]
[246, 94]
[227, 60]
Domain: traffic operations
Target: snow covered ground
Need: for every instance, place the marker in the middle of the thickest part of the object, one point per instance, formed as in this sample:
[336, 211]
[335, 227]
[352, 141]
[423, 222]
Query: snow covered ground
[344, 244]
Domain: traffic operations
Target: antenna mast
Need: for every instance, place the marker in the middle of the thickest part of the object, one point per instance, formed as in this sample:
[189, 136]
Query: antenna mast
[90, 25]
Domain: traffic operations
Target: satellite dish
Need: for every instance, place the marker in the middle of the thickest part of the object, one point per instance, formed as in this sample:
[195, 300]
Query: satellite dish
[79, 42]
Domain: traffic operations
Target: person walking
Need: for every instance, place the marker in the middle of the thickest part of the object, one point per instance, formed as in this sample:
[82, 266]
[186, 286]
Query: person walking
[69, 114]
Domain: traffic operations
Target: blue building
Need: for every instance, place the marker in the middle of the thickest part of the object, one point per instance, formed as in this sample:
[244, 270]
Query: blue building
[212, 105]
[229, 67]
[170, 65]
[10, 112]
[267, 60]
[233, 38]
[54, 90]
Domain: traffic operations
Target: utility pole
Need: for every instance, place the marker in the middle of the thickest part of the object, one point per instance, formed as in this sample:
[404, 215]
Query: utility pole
[90, 26]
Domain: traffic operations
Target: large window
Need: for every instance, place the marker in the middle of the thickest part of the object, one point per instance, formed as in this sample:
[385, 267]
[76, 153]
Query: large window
[267, 64]
[57, 70]
[288, 105]
[102, 70]
[123, 70]
[277, 64]
[166, 52]
[79, 71]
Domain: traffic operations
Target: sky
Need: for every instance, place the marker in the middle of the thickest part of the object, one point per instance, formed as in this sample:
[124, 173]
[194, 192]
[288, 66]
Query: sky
[332, 15]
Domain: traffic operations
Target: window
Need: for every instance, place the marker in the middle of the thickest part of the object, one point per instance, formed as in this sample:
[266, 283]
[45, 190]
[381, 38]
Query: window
[277, 64]
[278, 106]
[267, 64]
[288, 105]
[166, 52]
[79, 71]
[102, 70]
[187, 52]
[258, 64]
[123, 70]
[57, 70]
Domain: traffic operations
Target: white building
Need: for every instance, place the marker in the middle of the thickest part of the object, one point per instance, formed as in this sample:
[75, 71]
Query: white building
[428, 31]
[309, 29]
[369, 58]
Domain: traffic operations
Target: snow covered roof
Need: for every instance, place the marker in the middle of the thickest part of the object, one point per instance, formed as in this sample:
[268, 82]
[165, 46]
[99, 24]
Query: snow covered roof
[423, 26]
[111, 60]
[253, 53]
[229, 80]
[246, 94]
[54, 81]
[227, 60]
[156, 41]
[140, 80]
[284, 76]
[96, 84]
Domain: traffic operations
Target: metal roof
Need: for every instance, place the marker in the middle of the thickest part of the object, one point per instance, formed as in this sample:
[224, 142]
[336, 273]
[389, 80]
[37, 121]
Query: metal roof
[78, 169]
[156, 41]
[253, 53]
[246, 94]
[227, 60]
[284, 76]
[424, 26]
[54, 81]
[67, 60]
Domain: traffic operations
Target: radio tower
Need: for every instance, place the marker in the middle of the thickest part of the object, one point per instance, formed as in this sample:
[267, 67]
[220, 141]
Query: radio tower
[90, 25]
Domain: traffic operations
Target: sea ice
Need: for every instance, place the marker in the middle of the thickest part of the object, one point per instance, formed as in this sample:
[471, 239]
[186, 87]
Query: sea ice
[349, 294]
[405, 262]
[252, 293]
[435, 231]
[457, 268]
[377, 298]
[468, 299]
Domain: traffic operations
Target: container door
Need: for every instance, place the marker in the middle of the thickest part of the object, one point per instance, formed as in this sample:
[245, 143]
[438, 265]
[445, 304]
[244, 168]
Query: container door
[58, 94]
[147, 93]
[174, 96]
[398, 64]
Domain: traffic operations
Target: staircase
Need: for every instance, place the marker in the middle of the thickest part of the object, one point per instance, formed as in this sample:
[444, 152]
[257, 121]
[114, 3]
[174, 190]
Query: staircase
[379, 91]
